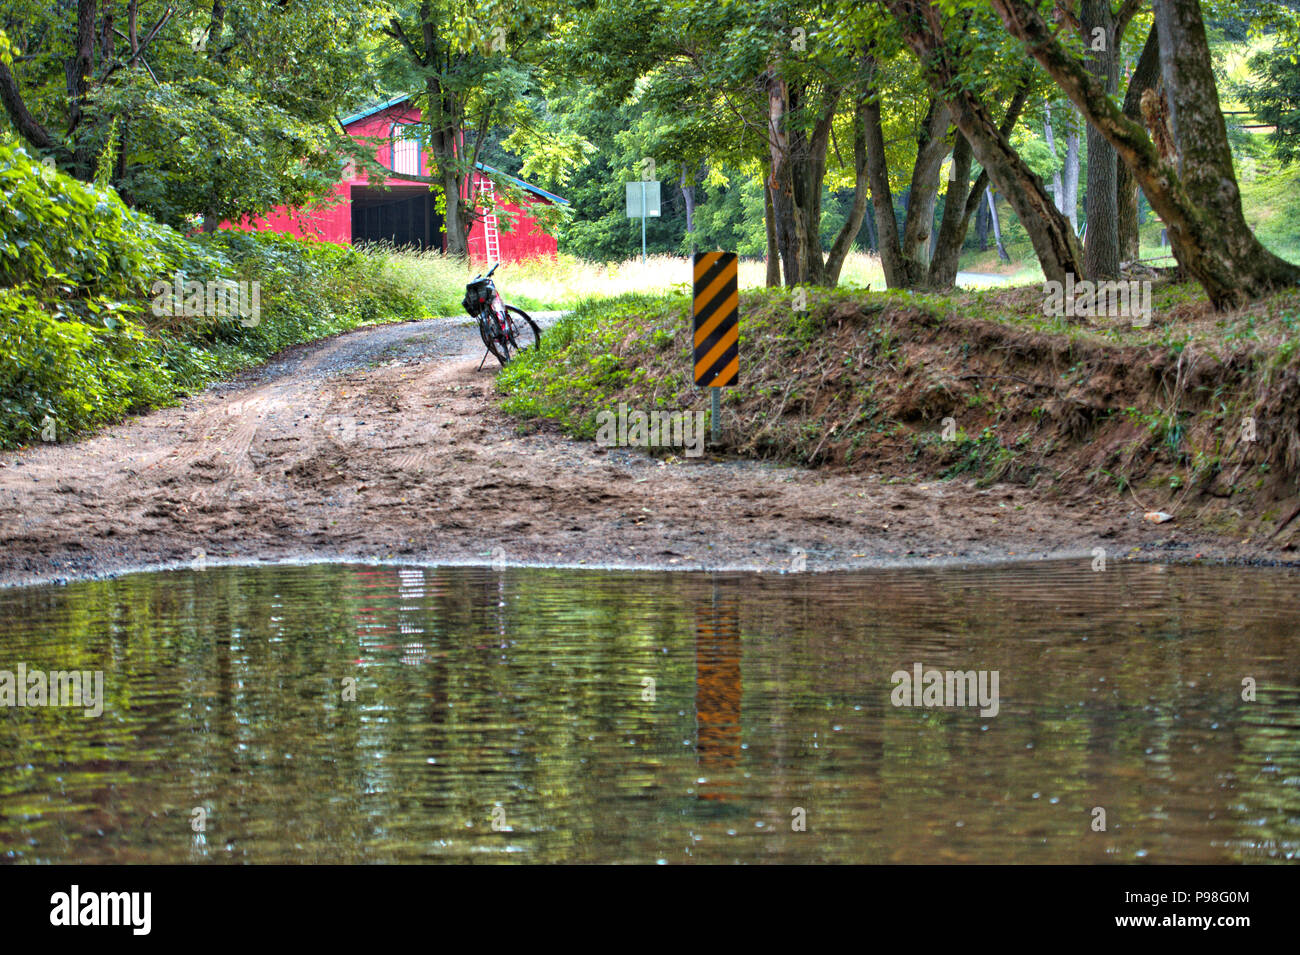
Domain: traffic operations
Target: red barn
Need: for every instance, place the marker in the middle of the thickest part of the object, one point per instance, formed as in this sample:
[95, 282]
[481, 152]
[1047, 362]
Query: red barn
[403, 212]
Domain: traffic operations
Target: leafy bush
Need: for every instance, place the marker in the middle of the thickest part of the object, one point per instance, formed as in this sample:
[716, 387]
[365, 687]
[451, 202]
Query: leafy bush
[73, 243]
[63, 375]
[80, 343]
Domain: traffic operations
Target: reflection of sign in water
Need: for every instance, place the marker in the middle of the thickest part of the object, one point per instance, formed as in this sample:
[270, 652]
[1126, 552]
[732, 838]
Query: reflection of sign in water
[717, 692]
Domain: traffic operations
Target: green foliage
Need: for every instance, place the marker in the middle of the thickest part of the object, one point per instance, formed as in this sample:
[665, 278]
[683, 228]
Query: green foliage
[61, 376]
[575, 366]
[77, 245]
[227, 110]
[1275, 98]
[80, 344]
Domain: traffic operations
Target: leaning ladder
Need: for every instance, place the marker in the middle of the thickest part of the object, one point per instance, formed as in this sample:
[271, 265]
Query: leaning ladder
[491, 234]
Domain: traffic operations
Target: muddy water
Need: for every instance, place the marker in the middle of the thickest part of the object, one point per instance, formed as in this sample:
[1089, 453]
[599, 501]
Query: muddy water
[552, 715]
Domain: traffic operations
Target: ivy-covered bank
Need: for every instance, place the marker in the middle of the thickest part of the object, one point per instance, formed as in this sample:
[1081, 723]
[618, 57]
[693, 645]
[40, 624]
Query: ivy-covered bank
[1192, 413]
[85, 334]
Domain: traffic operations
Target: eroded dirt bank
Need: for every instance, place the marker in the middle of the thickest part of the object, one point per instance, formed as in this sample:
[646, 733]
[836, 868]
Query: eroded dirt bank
[386, 443]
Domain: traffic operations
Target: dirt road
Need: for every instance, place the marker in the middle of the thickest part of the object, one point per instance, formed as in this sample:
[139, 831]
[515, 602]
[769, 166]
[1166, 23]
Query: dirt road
[385, 443]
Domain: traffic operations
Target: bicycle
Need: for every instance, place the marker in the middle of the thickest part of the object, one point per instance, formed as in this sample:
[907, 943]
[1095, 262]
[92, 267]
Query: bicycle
[505, 329]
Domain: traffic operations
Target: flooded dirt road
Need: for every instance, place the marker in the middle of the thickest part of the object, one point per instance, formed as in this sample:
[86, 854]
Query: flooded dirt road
[386, 443]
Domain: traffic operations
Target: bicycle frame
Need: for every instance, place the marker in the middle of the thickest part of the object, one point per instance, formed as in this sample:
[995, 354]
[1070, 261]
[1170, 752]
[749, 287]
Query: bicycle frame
[500, 331]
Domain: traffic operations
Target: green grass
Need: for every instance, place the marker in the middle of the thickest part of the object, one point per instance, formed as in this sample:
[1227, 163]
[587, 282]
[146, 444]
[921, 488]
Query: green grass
[563, 282]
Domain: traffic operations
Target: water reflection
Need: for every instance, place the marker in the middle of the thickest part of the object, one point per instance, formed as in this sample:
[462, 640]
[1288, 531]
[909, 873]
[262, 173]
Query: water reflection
[342, 713]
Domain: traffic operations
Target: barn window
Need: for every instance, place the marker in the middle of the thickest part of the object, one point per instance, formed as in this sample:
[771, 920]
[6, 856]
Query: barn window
[406, 150]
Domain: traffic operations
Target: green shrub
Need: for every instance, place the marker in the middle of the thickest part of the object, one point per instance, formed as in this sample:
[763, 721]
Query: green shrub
[80, 342]
[71, 242]
[60, 375]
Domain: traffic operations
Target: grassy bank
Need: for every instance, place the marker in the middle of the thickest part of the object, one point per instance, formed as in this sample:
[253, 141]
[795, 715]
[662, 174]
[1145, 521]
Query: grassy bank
[86, 336]
[1194, 415]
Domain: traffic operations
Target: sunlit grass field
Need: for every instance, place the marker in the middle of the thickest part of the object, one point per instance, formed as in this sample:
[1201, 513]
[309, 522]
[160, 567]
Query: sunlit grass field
[562, 281]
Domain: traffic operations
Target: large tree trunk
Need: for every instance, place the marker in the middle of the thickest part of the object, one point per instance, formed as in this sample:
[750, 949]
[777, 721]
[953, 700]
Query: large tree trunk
[77, 73]
[952, 227]
[1053, 239]
[1101, 37]
[1199, 202]
[798, 169]
[810, 173]
[23, 121]
[931, 148]
[446, 148]
[882, 198]
[1144, 77]
[789, 229]
[454, 224]
[905, 259]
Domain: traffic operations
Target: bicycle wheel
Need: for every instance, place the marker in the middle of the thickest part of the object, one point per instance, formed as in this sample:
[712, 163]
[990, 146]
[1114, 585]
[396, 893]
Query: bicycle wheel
[522, 331]
[486, 332]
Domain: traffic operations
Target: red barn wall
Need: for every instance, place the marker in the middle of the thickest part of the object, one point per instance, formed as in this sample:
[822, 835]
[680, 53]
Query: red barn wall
[326, 223]
[333, 222]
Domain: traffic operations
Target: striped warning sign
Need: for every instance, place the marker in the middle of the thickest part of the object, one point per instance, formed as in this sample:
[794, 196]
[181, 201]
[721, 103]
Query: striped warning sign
[717, 309]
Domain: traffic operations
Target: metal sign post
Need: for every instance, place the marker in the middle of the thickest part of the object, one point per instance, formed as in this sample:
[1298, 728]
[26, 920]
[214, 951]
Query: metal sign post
[717, 328]
[715, 409]
[643, 201]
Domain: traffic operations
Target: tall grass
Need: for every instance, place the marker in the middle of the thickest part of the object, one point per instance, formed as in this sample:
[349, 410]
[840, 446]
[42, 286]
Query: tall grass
[564, 281]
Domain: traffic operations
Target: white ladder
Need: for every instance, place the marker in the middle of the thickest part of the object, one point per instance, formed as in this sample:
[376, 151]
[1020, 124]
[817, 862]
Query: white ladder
[491, 234]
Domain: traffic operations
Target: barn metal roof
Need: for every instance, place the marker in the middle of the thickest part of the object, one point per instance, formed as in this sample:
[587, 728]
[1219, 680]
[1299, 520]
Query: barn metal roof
[349, 120]
[525, 185]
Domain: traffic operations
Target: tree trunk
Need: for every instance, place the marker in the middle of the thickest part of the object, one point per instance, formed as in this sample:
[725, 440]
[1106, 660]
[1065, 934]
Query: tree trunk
[23, 121]
[992, 206]
[769, 226]
[1071, 172]
[982, 226]
[1126, 188]
[957, 211]
[1101, 246]
[849, 231]
[688, 199]
[789, 230]
[905, 259]
[882, 198]
[1054, 241]
[454, 225]
[952, 227]
[77, 72]
[1199, 203]
[1049, 134]
[810, 174]
[443, 118]
[931, 148]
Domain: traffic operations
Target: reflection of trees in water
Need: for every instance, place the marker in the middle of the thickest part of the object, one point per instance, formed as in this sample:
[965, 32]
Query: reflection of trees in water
[523, 688]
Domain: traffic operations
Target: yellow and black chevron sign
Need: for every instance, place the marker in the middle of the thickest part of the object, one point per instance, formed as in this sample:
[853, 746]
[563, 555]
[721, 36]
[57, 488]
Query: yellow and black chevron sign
[717, 310]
